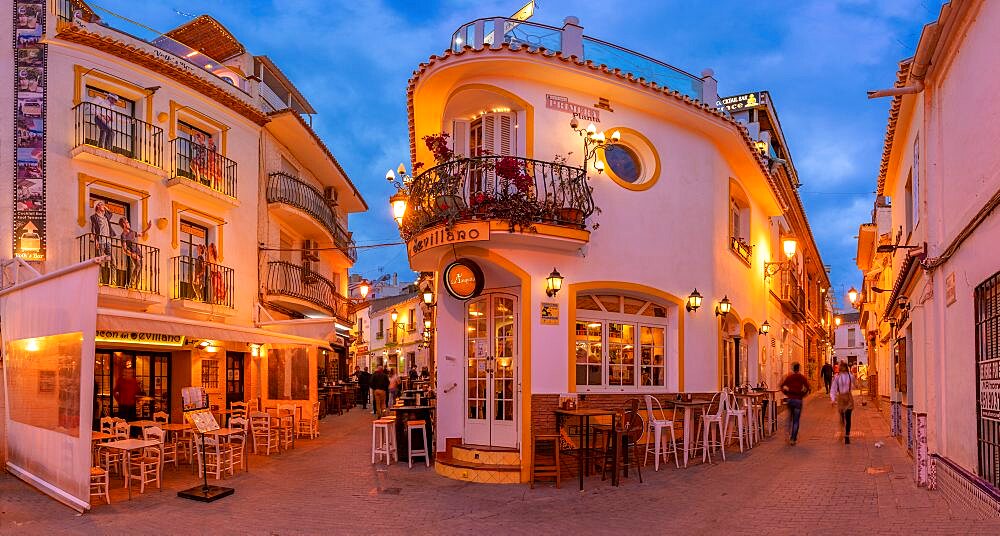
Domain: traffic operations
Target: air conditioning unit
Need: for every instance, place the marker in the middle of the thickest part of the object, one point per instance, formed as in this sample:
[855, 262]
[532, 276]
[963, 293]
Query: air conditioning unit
[310, 250]
[330, 194]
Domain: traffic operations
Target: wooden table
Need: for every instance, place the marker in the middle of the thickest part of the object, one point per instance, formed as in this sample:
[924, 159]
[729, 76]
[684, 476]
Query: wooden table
[100, 436]
[750, 398]
[412, 413]
[584, 415]
[772, 410]
[224, 432]
[128, 446]
[689, 406]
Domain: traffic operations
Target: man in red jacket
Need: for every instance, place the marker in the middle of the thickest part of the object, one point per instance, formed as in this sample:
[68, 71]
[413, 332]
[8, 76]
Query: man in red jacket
[126, 390]
[796, 387]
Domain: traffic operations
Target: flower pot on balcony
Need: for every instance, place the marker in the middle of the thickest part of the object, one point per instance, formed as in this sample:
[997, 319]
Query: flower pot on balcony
[570, 216]
[448, 202]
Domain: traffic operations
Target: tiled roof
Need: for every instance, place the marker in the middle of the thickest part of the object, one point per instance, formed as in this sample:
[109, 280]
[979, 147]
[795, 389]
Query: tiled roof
[890, 130]
[208, 36]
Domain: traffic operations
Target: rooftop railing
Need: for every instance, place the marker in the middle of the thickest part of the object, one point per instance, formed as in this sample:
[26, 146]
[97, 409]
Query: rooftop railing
[493, 31]
[284, 188]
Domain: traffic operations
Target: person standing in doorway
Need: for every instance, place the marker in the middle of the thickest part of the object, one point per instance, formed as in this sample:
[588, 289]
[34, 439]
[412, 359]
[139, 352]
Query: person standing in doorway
[795, 386]
[841, 396]
[125, 393]
[364, 384]
[827, 372]
[380, 391]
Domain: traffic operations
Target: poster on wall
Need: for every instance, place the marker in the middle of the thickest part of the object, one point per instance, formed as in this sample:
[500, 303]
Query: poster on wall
[29, 134]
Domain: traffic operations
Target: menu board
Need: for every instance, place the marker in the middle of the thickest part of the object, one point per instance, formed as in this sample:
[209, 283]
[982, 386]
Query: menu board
[202, 420]
[194, 398]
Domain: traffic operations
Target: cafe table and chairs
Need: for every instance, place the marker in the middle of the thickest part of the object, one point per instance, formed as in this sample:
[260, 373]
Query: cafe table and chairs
[285, 424]
[180, 436]
[770, 416]
[168, 450]
[309, 426]
[264, 437]
[693, 410]
[127, 448]
[657, 430]
[622, 450]
[237, 442]
[401, 415]
[735, 413]
[584, 450]
[141, 424]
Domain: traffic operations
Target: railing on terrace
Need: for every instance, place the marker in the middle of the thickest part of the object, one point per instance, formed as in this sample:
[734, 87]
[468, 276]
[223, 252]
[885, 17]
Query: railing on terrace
[133, 266]
[118, 132]
[284, 188]
[479, 188]
[790, 290]
[294, 281]
[65, 10]
[196, 162]
[741, 248]
[483, 32]
[197, 280]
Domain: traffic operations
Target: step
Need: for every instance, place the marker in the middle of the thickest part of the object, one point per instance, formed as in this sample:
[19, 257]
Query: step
[486, 454]
[477, 472]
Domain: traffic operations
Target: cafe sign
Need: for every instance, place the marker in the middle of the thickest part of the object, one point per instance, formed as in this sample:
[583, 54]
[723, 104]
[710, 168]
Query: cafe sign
[562, 104]
[463, 279]
[442, 236]
[139, 337]
[737, 103]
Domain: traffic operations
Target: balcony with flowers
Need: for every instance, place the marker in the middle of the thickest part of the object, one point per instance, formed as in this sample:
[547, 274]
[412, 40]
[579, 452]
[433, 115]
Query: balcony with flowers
[506, 195]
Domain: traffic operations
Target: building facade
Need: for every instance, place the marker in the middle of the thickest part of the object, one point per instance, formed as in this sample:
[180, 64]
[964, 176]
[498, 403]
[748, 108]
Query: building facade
[849, 340]
[184, 166]
[678, 196]
[929, 301]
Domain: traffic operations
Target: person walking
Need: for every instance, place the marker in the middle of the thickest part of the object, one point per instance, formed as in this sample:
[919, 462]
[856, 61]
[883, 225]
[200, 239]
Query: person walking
[795, 386]
[393, 386]
[380, 391]
[841, 396]
[827, 372]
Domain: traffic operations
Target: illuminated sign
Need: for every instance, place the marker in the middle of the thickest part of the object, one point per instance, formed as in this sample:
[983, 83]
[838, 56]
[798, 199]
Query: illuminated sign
[463, 279]
[139, 337]
[741, 102]
[442, 236]
[562, 104]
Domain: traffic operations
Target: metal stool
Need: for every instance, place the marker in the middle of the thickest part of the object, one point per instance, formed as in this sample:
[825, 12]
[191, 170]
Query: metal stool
[411, 426]
[384, 441]
[549, 469]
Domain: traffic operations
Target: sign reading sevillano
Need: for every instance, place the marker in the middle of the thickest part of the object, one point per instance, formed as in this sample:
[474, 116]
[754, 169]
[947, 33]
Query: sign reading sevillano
[562, 104]
[442, 236]
[741, 102]
[138, 337]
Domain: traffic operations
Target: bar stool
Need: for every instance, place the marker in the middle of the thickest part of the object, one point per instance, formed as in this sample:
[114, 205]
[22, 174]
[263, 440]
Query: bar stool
[412, 426]
[549, 468]
[383, 441]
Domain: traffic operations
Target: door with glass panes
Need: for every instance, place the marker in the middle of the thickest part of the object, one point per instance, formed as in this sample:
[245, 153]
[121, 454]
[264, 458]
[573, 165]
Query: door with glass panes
[491, 360]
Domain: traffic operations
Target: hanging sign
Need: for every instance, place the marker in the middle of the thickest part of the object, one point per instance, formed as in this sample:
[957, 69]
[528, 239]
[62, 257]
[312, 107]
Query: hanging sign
[442, 236]
[463, 279]
[30, 80]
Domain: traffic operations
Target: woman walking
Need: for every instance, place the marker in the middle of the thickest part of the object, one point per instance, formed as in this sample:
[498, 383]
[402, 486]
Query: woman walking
[840, 395]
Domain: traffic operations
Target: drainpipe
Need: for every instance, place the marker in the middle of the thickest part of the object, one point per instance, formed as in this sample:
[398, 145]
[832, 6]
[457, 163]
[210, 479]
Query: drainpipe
[919, 65]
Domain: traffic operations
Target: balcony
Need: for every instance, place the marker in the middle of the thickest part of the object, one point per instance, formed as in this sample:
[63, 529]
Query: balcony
[520, 191]
[379, 335]
[284, 189]
[200, 165]
[195, 280]
[741, 249]
[518, 33]
[304, 291]
[791, 294]
[117, 135]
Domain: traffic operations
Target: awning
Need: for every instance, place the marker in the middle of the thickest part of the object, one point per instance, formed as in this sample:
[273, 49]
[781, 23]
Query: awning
[118, 320]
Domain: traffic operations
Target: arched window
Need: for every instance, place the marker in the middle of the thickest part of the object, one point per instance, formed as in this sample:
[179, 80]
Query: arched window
[621, 343]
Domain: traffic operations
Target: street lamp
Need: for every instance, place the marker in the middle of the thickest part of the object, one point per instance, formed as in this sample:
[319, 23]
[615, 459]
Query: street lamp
[553, 283]
[693, 301]
[788, 245]
[836, 321]
[398, 203]
[428, 295]
[394, 316]
[363, 289]
[852, 295]
[765, 328]
[724, 307]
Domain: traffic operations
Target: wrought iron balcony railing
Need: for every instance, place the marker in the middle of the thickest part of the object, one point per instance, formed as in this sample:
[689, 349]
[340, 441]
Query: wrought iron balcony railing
[790, 291]
[196, 162]
[519, 33]
[284, 188]
[197, 280]
[519, 190]
[294, 281]
[119, 133]
[741, 248]
[130, 265]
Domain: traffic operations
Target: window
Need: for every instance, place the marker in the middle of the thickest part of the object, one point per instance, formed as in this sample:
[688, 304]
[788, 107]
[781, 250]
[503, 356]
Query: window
[910, 204]
[851, 337]
[381, 328]
[739, 222]
[192, 235]
[609, 329]
[210, 373]
[915, 173]
[623, 162]
[411, 320]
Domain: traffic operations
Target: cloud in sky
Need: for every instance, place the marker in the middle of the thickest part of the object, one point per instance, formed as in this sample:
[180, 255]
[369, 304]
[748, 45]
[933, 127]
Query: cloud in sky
[352, 60]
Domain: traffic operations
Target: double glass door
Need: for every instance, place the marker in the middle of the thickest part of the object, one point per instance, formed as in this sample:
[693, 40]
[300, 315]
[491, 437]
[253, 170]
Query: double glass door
[151, 371]
[492, 355]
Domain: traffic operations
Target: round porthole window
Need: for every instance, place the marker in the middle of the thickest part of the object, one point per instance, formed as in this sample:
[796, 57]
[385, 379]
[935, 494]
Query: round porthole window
[633, 162]
[623, 162]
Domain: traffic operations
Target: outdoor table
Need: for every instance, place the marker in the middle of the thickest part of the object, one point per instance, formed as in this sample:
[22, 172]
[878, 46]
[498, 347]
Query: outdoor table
[584, 415]
[224, 432]
[141, 424]
[689, 408]
[225, 413]
[100, 436]
[172, 429]
[128, 446]
[771, 419]
[412, 413]
[749, 399]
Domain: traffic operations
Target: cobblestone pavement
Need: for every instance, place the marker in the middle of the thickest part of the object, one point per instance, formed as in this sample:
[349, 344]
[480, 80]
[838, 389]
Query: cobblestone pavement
[328, 486]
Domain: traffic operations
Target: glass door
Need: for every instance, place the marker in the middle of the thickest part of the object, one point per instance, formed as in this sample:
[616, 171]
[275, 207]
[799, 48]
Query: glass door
[492, 351]
[234, 377]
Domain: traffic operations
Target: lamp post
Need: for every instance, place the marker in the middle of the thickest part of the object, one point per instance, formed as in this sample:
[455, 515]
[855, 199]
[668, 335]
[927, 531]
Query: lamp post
[398, 201]
[852, 296]
[592, 141]
[788, 246]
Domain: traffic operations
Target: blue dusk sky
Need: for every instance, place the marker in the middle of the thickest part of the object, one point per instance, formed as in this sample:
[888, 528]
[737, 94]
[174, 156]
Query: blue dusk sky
[352, 60]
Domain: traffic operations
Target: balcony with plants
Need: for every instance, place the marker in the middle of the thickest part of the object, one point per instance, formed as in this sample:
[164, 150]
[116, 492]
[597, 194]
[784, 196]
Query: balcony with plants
[305, 207]
[522, 193]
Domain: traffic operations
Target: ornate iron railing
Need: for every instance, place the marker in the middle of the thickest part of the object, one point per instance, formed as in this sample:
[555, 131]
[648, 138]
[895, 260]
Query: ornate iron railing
[197, 280]
[741, 248]
[196, 162]
[119, 133]
[521, 191]
[790, 291]
[300, 282]
[284, 188]
[129, 265]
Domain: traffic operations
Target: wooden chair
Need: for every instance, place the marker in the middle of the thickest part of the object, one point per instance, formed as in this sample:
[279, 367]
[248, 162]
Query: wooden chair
[549, 467]
[168, 450]
[146, 467]
[264, 436]
[239, 409]
[99, 484]
[237, 443]
[628, 430]
[216, 459]
[161, 417]
[309, 426]
[286, 426]
[417, 426]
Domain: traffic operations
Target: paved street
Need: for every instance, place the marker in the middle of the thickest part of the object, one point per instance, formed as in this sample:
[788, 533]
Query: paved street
[328, 486]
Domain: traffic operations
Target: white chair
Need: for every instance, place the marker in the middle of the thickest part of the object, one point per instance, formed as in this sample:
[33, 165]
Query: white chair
[714, 421]
[657, 423]
[113, 460]
[734, 411]
[238, 409]
[309, 426]
[168, 451]
[146, 467]
[414, 426]
[237, 443]
[215, 459]
[384, 441]
[264, 436]
[99, 484]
